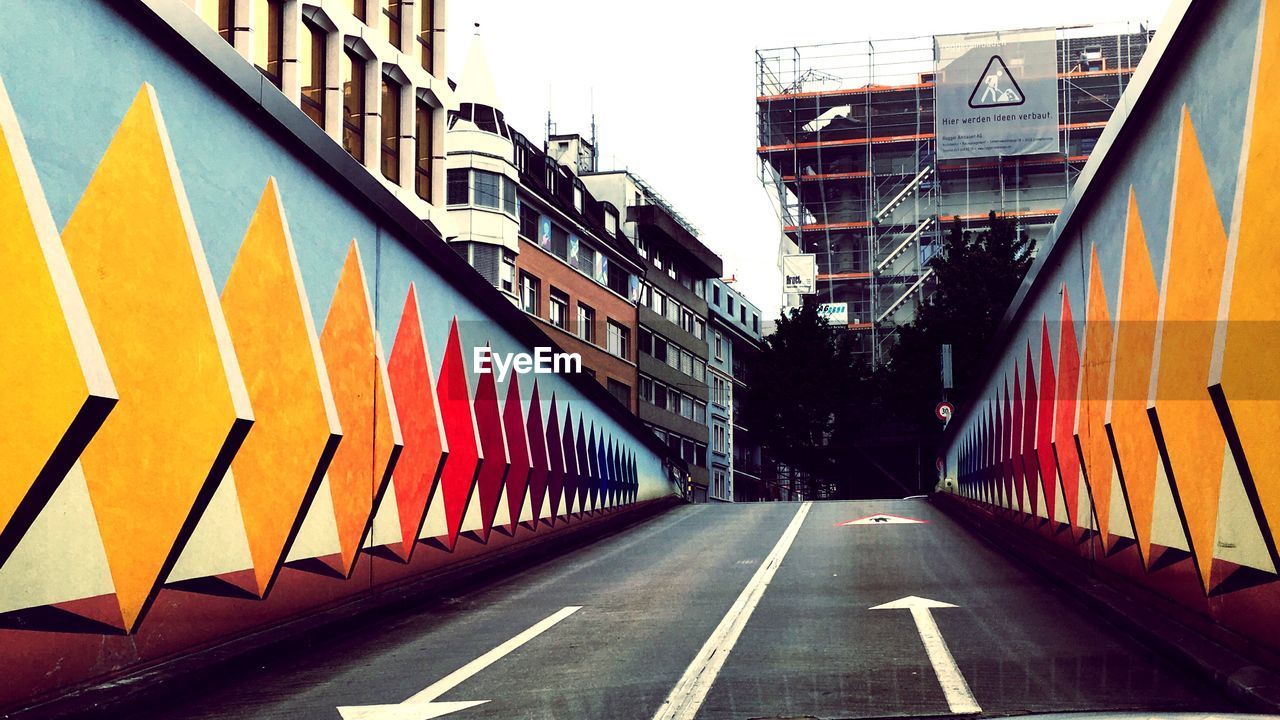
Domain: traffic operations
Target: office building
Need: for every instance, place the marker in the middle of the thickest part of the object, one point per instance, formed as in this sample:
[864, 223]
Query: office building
[734, 338]
[672, 324]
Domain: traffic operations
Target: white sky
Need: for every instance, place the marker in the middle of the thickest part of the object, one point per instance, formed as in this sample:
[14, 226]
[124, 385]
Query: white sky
[672, 83]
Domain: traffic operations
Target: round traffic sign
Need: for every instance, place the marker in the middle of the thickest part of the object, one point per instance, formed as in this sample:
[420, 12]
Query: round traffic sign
[944, 411]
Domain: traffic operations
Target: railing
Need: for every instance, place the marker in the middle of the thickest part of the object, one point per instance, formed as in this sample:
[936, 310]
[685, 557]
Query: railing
[651, 196]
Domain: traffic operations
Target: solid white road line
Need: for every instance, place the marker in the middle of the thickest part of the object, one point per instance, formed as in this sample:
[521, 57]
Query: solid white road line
[693, 686]
[959, 698]
[422, 705]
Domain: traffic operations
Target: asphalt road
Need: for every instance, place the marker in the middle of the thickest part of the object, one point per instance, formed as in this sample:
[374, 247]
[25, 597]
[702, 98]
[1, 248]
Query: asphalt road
[653, 597]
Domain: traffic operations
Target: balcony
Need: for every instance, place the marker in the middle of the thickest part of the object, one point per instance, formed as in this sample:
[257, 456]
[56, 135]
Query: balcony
[653, 217]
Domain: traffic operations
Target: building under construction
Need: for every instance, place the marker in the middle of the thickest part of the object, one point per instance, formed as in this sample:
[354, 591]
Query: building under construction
[847, 147]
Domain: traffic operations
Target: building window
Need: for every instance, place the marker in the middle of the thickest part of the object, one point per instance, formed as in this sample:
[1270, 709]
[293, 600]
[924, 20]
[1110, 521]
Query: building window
[425, 46]
[659, 395]
[586, 259]
[577, 198]
[618, 280]
[425, 118]
[646, 389]
[221, 16]
[1091, 59]
[360, 9]
[686, 407]
[311, 71]
[559, 242]
[620, 390]
[559, 315]
[619, 340]
[392, 15]
[719, 346]
[700, 288]
[659, 349]
[715, 295]
[699, 370]
[657, 301]
[530, 289]
[699, 411]
[456, 187]
[487, 184]
[755, 323]
[353, 104]
[644, 338]
[487, 260]
[658, 432]
[742, 314]
[508, 269]
[268, 38]
[528, 223]
[586, 322]
[718, 440]
[699, 329]
[509, 196]
[391, 130]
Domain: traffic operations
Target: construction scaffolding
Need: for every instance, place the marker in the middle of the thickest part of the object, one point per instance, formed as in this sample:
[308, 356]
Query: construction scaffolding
[846, 142]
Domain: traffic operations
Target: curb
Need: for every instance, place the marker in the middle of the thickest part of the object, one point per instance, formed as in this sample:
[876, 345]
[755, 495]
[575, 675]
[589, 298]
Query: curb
[108, 699]
[1241, 679]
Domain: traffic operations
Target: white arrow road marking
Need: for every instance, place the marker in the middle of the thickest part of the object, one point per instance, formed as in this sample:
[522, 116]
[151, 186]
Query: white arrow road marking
[882, 519]
[692, 689]
[422, 705]
[959, 697]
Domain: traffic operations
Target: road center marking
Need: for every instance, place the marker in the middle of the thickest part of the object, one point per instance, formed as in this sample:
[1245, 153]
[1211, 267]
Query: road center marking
[423, 705]
[692, 688]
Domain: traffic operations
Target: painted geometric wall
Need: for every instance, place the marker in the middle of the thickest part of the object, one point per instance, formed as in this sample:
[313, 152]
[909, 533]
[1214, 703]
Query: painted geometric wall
[1133, 413]
[204, 429]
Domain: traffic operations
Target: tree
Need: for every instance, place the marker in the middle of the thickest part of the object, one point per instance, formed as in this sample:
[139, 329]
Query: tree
[803, 384]
[817, 409]
[977, 277]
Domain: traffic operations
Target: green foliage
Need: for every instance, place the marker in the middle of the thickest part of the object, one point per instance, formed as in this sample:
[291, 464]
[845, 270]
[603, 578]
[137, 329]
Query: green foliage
[805, 381]
[815, 407]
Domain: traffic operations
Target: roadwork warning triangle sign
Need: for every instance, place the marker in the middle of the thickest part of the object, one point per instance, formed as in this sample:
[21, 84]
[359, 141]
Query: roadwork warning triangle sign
[883, 519]
[996, 87]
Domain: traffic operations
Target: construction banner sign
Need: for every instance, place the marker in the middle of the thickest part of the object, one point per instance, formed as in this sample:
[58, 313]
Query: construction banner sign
[800, 274]
[996, 94]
